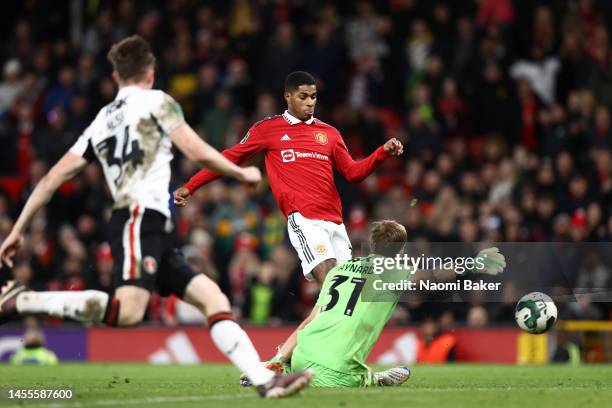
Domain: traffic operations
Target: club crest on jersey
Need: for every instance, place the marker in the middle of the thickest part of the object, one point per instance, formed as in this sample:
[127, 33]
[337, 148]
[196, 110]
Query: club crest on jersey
[320, 249]
[149, 264]
[321, 138]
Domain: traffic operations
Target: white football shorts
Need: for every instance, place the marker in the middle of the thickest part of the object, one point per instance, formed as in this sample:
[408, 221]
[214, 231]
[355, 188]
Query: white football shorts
[318, 240]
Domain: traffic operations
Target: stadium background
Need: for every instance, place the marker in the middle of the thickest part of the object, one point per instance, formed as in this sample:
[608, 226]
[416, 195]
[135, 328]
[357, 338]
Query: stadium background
[504, 108]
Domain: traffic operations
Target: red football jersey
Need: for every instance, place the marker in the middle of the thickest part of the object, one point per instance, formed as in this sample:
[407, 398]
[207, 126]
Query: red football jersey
[300, 158]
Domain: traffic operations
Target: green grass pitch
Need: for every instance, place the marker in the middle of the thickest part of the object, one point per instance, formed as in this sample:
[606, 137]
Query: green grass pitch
[133, 385]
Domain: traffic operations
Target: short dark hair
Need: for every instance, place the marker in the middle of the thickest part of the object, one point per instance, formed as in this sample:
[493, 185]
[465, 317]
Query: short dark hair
[131, 57]
[297, 78]
[387, 237]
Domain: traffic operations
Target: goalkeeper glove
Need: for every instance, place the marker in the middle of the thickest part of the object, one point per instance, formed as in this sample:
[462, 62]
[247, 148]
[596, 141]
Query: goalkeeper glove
[489, 261]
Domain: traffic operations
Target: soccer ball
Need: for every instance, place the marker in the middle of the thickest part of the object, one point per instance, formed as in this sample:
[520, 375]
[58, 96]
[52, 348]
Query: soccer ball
[535, 313]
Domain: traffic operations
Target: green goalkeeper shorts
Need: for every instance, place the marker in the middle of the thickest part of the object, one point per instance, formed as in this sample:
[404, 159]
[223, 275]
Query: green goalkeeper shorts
[326, 377]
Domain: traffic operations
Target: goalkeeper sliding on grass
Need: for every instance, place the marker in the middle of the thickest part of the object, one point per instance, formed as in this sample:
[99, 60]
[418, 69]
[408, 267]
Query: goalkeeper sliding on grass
[352, 311]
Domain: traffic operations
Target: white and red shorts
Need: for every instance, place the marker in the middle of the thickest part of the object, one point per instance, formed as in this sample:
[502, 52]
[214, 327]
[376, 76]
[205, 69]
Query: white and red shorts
[143, 253]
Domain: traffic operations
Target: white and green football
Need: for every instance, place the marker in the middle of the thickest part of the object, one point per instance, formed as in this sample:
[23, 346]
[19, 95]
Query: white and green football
[535, 313]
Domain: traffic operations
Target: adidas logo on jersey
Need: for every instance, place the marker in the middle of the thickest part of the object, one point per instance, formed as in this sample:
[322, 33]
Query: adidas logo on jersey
[285, 138]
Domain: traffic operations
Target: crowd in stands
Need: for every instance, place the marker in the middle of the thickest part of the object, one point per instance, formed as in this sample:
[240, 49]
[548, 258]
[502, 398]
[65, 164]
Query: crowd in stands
[503, 107]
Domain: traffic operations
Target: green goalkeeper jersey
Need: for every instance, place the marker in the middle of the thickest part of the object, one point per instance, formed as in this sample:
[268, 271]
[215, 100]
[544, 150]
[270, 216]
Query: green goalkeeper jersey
[349, 319]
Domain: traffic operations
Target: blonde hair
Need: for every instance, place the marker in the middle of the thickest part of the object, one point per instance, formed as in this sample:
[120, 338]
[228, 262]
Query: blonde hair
[385, 233]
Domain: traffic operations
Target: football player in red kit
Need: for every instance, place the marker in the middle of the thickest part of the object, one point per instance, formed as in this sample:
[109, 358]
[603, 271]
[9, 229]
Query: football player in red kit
[301, 153]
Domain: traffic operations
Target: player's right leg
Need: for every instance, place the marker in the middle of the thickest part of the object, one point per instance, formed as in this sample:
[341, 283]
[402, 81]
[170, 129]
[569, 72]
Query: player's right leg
[312, 240]
[88, 306]
[137, 240]
[84, 306]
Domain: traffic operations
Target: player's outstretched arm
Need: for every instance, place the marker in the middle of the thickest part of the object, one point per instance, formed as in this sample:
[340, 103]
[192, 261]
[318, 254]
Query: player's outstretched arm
[201, 152]
[239, 153]
[488, 261]
[285, 350]
[356, 171]
[66, 168]
[182, 194]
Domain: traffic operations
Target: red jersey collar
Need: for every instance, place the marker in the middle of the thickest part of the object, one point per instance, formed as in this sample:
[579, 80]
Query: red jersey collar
[294, 121]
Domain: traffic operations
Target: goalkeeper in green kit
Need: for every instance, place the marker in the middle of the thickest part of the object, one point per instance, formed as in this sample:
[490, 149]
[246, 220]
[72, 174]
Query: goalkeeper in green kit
[351, 313]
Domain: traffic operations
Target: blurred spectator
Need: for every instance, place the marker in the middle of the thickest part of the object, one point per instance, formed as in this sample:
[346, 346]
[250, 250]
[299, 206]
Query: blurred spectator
[259, 303]
[495, 12]
[217, 120]
[364, 34]
[322, 58]
[418, 46]
[566, 351]
[435, 344]
[103, 278]
[581, 309]
[235, 217]
[62, 92]
[281, 56]
[34, 351]
[594, 274]
[11, 84]
[200, 253]
[541, 73]
[477, 317]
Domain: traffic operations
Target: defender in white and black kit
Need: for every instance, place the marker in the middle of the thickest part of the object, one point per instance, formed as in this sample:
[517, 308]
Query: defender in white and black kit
[132, 139]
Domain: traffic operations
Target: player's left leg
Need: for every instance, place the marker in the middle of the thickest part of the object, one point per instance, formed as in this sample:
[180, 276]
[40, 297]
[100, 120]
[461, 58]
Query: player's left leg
[225, 332]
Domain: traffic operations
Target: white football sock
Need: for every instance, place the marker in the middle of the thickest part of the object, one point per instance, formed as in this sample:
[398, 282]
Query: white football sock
[84, 306]
[236, 345]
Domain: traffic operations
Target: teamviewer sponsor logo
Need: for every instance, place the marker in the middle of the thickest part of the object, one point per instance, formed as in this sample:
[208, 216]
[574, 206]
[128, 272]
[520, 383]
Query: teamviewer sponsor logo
[288, 155]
